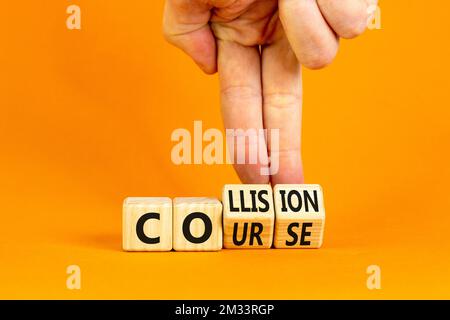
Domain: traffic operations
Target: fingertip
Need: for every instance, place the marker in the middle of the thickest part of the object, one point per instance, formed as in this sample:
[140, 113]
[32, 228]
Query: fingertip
[290, 168]
[287, 179]
[251, 174]
[319, 59]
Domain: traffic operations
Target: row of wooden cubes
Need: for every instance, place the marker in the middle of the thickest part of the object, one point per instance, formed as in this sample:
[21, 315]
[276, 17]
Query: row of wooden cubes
[252, 216]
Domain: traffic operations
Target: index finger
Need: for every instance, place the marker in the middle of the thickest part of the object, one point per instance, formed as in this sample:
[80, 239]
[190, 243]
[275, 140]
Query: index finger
[240, 82]
[282, 106]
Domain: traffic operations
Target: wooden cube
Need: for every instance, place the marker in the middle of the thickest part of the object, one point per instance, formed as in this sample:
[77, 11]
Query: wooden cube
[147, 224]
[197, 224]
[248, 216]
[299, 216]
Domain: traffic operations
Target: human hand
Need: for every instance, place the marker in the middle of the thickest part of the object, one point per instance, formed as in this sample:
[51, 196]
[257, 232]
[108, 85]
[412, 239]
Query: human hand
[257, 46]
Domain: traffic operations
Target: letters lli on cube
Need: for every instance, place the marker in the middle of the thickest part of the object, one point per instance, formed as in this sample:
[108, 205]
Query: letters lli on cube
[248, 216]
[147, 224]
[197, 224]
[300, 216]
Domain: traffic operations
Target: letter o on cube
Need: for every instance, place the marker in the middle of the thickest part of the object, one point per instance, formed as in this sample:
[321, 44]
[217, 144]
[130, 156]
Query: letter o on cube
[197, 224]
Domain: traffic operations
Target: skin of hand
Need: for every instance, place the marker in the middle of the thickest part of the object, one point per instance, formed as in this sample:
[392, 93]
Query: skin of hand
[258, 46]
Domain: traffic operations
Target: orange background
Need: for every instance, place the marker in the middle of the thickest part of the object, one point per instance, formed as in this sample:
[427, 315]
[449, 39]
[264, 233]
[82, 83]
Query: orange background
[86, 119]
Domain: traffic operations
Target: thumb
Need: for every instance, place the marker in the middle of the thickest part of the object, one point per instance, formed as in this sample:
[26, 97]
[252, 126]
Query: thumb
[186, 25]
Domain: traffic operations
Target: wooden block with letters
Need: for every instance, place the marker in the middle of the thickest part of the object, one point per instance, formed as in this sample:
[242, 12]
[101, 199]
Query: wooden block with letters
[248, 216]
[147, 224]
[197, 224]
[299, 216]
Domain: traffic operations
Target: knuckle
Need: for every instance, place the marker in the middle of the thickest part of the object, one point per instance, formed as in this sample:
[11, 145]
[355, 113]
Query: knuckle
[353, 28]
[282, 100]
[319, 59]
[353, 23]
[240, 92]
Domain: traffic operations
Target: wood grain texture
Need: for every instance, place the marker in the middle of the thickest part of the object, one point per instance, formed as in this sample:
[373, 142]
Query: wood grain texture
[135, 209]
[248, 216]
[190, 224]
[299, 216]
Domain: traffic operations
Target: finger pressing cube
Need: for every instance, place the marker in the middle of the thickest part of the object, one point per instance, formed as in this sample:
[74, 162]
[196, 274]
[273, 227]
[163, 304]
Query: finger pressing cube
[248, 216]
